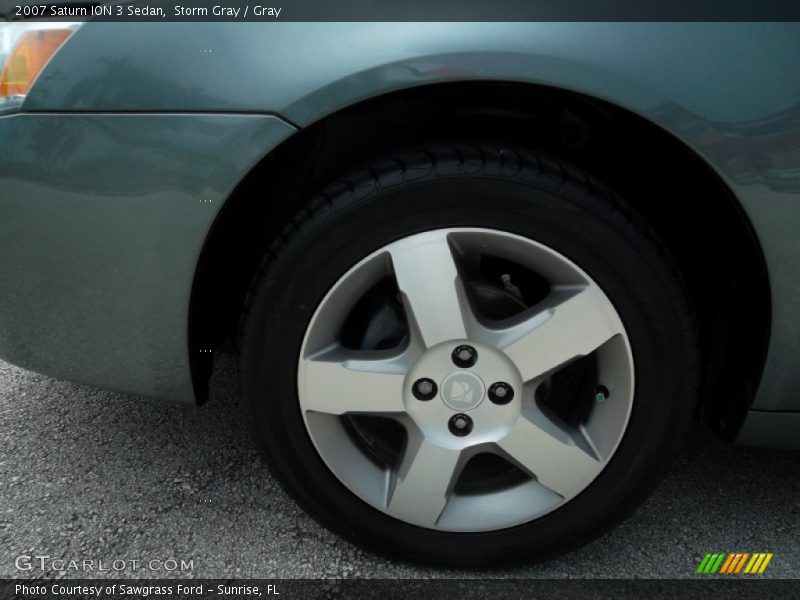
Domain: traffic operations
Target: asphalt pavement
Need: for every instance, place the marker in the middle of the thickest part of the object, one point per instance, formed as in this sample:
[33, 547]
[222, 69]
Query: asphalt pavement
[93, 475]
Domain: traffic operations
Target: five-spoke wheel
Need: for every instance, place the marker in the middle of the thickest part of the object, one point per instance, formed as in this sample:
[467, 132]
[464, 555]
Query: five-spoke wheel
[468, 355]
[487, 373]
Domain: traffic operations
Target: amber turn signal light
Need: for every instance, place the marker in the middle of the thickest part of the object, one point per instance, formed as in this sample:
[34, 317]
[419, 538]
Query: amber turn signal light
[28, 57]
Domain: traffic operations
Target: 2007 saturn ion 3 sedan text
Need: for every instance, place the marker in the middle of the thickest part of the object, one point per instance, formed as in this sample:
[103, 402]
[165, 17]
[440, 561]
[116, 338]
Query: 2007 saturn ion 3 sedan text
[481, 277]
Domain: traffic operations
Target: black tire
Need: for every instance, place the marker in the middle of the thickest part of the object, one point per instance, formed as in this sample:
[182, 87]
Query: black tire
[479, 186]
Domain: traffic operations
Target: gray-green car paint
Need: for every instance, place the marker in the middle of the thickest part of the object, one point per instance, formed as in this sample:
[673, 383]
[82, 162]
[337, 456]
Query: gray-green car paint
[104, 217]
[103, 214]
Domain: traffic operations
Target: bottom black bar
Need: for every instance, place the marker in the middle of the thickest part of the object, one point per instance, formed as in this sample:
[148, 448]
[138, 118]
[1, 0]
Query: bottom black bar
[384, 589]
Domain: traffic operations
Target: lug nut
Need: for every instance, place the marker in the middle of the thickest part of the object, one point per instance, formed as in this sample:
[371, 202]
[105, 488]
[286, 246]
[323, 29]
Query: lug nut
[460, 425]
[424, 389]
[465, 356]
[501, 393]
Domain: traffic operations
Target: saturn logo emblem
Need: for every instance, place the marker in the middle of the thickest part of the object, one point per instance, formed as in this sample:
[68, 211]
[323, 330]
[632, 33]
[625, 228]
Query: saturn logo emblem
[462, 390]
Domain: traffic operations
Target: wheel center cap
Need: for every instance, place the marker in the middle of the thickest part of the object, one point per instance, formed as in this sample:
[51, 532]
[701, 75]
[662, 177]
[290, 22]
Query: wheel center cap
[462, 390]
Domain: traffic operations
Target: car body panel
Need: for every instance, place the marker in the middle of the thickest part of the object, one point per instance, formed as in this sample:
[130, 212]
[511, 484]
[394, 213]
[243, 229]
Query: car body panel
[103, 218]
[306, 70]
[728, 90]
[770, 429]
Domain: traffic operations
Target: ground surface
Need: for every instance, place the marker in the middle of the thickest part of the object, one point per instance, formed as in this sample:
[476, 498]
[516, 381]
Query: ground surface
[86, 474]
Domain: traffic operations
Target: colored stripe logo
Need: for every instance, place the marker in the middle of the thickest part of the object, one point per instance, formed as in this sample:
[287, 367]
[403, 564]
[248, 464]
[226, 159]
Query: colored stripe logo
[734, 562]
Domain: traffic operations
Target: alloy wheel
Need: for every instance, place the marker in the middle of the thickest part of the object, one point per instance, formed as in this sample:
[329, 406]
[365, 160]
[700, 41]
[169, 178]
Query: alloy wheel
[463, 394]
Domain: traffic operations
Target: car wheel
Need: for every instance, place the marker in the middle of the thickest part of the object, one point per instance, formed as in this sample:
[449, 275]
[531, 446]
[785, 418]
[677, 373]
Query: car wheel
[468, 355]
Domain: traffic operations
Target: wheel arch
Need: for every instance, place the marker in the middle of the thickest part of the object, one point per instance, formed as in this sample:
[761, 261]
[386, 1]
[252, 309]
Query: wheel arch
[711, 240]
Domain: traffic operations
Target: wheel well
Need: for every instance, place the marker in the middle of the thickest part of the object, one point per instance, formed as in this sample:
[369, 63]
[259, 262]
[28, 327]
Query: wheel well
[692, 210]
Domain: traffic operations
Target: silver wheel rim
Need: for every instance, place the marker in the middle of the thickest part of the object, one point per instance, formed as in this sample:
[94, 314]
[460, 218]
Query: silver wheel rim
[557, 460]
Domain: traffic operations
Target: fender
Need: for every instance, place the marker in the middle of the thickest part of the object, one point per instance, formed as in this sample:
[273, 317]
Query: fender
[725, 89]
